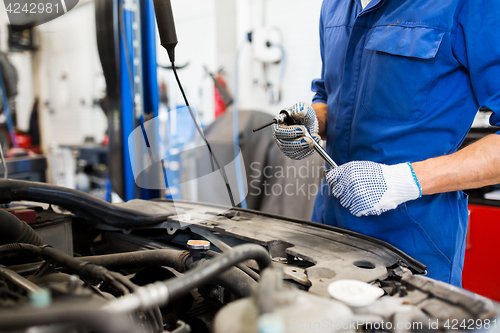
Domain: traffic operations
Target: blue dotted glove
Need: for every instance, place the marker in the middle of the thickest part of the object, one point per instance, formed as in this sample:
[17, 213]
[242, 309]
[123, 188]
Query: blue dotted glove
[291, 139]
[369, 188]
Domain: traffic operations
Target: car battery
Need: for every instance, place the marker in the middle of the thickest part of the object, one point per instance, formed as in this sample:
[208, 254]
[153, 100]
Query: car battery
[54, 228]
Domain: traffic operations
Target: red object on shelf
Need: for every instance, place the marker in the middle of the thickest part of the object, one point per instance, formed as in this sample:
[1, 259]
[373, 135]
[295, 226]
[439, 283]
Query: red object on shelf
[24, 140]
[481, 273]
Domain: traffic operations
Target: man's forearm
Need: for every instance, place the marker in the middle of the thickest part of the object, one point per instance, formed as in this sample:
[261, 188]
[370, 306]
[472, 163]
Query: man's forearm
[474, 166]
[322, 115]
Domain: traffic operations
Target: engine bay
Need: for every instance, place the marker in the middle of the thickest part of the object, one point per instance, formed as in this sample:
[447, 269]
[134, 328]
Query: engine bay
[72, 263]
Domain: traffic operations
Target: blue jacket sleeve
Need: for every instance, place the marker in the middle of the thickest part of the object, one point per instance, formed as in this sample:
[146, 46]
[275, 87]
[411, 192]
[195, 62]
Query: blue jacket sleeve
[477, 48]
[318, 85]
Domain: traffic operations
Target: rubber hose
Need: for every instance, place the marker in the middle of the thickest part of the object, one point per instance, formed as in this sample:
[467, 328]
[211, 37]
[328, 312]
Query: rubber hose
[163, 292]
[76, 201]
[239, 283]
[206, 273]
[236, 281]
[13, 230]
[139, 259]
[87, 271]
[242, 267]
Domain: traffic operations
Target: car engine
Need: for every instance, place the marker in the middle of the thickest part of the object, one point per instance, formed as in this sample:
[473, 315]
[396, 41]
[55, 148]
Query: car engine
[70, 262]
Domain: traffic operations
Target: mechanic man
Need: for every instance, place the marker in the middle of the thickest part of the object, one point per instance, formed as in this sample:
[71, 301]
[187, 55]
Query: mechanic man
[401, 83]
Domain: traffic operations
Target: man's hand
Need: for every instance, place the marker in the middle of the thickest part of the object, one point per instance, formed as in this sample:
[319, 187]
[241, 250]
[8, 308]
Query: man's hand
[291, 139]
[369, 188]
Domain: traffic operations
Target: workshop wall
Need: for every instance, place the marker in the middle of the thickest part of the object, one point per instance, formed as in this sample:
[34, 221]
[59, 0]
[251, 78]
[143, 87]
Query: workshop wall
[210, 33]
[68, 78]
[3, 28]
[195, 25]
[298, 21]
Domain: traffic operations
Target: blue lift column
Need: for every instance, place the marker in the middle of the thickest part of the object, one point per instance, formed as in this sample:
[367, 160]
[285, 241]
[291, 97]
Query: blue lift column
[139, 86]
[151, 96]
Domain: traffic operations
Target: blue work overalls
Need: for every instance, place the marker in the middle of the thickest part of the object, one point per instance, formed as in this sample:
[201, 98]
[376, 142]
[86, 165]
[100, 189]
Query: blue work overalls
[403, 80]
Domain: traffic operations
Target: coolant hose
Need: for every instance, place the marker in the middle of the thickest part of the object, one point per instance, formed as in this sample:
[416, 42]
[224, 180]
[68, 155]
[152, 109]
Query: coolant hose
[87, 271]
[233, 279]
[140, 259]
[13, 230]
[205, 273]
[76, 201]
[159, 293]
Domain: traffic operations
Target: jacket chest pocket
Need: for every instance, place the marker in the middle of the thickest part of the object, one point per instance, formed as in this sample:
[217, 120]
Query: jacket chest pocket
[400, 71]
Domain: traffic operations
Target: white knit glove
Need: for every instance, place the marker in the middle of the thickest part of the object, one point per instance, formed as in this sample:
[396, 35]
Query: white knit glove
[369, 188]
[291, 139]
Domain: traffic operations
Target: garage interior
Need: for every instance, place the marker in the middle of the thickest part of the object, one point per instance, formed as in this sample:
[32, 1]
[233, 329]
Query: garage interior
[138, 197]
